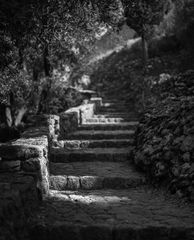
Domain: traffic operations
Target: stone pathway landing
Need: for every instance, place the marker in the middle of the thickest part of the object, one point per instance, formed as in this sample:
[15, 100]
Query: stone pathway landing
[96, 193]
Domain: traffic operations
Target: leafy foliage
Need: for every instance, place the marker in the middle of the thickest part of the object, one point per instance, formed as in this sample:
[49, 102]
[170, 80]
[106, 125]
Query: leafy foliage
[141, 15]
[38, 37]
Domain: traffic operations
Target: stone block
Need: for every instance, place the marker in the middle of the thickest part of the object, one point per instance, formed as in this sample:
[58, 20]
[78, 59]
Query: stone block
[22, 152]
[69, 122]
[90, 182]
[10, 165]
[73, 183]
[43, 185]
[75, 144]
[97, 101]
[31, 165]
[58, 182]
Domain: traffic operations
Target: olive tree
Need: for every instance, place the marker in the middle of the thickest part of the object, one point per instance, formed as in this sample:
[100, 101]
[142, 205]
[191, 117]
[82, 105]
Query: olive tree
[33, 36]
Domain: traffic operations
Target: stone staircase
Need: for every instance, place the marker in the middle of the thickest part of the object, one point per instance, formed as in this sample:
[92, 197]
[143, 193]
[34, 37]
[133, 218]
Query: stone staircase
[97, 194]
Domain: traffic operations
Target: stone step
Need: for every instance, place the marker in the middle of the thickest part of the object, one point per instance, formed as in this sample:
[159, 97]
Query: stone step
[114, 126]
[118, 107]
[100, 134]
[113, 110]
[107, 120]
[138, 213]
[93, 175]
[90, 154]
[116, 114]
[83, 144]
[110, 103]
[89, 93]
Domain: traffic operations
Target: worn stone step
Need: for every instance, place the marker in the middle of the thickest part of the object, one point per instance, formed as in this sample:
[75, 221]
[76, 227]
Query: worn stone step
[113, 101]
[114, 110]
[110, 103]
[114, 107]
[138, 213]
[91, 154]
[107, 120]
[116, 114]
[89, 93]
[83, 144]
[100, 134]
[114, 126]
[93, 175]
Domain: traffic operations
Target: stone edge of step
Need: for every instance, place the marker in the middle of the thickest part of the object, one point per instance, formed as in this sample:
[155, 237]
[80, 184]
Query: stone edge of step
[63, 182]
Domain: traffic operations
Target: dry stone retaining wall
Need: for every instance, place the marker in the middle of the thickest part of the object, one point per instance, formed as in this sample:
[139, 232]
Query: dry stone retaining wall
[70, 120]
[24, 179]
[29, 156]
[24, 172]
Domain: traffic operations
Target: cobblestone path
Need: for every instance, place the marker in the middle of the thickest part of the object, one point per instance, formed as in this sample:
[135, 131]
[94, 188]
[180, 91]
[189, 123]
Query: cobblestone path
[97, 194]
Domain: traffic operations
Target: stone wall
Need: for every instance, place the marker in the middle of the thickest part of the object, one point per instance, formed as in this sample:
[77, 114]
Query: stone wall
[24, 172]
[24, 179]
[53, 122]
[72, 118]
[97, 101]
[28, 155]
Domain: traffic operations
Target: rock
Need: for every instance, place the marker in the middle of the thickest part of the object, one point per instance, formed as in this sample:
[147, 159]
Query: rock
[73, 183]
[22, 152]
[91, 182]
[58, 182]
[58, 144]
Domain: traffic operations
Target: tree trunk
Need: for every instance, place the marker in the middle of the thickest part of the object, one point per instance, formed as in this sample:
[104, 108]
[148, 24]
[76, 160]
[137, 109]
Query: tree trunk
[8, 116]
[145, 60]
[47, 69]
[145, 50]
[47, 66]
[8, 110]
[19, 116]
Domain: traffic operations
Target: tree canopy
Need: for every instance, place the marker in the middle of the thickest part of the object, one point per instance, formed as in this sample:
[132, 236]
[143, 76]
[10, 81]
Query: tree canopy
[38, 37]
